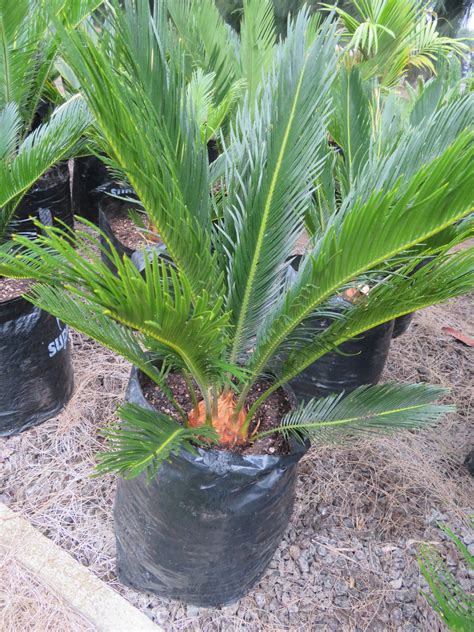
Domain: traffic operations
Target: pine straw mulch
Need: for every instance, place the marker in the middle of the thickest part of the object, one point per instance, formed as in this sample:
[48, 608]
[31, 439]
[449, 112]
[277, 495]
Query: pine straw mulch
[28, 605]
[348, 559]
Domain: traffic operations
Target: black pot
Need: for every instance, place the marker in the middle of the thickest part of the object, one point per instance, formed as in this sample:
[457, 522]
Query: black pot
[137, 256]
[36, 378]
[401, 324]
[205, 529]
[89, 174]
[356, 362]
[52, 194]
[106, 228]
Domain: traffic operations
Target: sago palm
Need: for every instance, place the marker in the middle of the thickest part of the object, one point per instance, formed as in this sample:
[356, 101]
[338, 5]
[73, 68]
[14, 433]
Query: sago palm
[221, 310]
[386, 38]
[447, 597]
[23, 160]
[28, 51]
[376, 137]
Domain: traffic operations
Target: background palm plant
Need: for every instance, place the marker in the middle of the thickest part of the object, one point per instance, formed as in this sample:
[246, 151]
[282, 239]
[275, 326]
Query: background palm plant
[24, 160]
[386, 38]
[223, 311]
[375, 136]
[28, 52]
[448, 598]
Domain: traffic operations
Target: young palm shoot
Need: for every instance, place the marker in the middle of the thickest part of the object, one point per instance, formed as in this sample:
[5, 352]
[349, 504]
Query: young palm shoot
[223, 313]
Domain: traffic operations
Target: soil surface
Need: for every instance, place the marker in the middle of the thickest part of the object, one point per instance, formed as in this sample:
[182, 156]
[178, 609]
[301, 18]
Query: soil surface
[125, 229]
[347, 562]
[267, 417]
[13, 288]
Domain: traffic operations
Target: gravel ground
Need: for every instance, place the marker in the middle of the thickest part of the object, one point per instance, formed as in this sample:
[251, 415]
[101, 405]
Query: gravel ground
[347, 561]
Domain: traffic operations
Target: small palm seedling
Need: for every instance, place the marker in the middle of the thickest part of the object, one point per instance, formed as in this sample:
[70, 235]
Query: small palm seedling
[387, 38]
[223, 313]
[447, 597]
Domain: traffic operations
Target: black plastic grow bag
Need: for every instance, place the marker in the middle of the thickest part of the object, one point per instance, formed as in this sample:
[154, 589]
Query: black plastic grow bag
[401, 324]
[89, 176]
[106, 228]
[52, 193]
[358, 361]
[36, 378]
[205, 529]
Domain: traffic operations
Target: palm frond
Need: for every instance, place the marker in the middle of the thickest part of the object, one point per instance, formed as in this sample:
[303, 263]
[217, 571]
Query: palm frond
[351, 120]
[50, 143]
[401, 293]
[127, 85]
[270, 171]
[10, 126]
[368, 411]
[368, 234]
[157, 303]
[146, 439]
[207, 41]
[257, 43]
[451, 602]
[388, 37]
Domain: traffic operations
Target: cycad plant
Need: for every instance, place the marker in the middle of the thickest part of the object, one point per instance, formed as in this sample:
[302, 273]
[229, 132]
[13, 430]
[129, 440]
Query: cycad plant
[28, 51]
[447, 597]
[221, 310]
[23, 160]
[375, 137]
[386, 38]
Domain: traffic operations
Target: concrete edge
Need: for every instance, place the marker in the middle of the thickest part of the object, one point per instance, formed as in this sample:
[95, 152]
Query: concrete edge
[85, 593]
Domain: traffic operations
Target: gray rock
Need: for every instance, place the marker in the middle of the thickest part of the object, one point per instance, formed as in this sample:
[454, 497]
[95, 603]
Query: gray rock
[260, 599]
[396, 584]
[303, 564]
[192, 611]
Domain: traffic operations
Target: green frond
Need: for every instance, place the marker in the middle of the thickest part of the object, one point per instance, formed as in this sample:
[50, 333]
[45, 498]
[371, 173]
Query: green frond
[210, 114]
[449, 600]
[257, 43]
[368, 411]
[388, 37]
[351, 121]
[402, 293]
[137, 96]
[156, 303]
[10, 127]
[145, 440]
[369, 233]
[206, 40]
[270, 170]
[52, 142]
